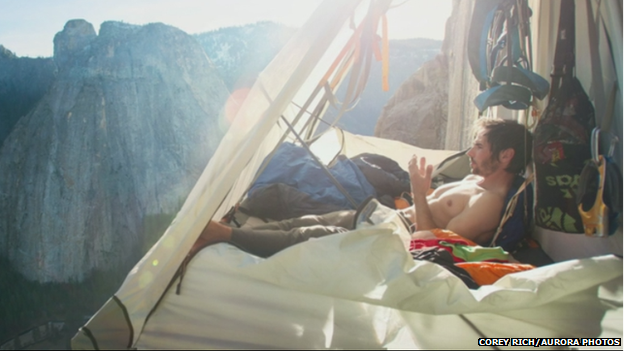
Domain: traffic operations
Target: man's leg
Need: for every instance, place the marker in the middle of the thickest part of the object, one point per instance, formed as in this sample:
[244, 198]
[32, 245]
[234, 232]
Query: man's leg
[267, 242]
[267, 239]
[342, 219]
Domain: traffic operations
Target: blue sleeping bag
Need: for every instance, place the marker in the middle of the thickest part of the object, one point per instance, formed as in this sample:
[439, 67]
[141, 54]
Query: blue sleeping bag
[293, 166]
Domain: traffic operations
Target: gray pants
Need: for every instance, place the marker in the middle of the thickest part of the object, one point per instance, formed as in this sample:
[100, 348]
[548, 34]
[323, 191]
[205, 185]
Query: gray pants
[267, 239]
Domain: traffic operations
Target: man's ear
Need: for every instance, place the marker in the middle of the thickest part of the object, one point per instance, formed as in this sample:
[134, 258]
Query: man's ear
[505, 156]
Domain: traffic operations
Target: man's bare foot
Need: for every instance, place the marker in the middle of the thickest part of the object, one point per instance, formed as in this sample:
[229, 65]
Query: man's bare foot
[213, 233]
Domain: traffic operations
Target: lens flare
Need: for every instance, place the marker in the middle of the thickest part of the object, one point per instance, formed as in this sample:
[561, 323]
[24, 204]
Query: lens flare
[234, 102]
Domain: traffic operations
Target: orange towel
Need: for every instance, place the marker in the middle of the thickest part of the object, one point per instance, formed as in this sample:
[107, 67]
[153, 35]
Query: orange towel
[486, 273]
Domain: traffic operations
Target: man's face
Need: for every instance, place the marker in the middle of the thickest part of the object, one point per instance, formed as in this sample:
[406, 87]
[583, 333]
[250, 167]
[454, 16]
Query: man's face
[481, 161]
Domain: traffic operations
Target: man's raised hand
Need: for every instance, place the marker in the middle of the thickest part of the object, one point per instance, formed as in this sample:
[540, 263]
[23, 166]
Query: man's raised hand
[420, 175]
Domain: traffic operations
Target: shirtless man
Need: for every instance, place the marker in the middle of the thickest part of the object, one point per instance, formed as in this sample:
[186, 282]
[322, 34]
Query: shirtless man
[470, 207]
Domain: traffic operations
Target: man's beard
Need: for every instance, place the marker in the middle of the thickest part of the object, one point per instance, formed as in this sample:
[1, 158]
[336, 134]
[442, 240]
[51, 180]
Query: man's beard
[484, 169]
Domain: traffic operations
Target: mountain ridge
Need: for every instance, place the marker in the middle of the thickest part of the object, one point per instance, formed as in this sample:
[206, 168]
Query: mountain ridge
[124, 131]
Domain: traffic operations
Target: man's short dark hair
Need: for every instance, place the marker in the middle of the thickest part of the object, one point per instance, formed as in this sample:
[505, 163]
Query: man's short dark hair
[507, 134]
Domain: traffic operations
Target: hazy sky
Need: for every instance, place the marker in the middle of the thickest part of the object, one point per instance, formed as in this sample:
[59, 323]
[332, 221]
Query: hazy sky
[27, 27]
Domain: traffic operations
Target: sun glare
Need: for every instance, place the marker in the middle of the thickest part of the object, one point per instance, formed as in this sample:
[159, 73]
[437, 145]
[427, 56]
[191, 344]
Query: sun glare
[233, 103]
[418, 19]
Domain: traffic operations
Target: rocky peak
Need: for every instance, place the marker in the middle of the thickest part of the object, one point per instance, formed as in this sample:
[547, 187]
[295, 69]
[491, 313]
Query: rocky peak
[433, 108]
[123, 132]
[6, 53]
[416, 113]
[74, 38]
[116, 29]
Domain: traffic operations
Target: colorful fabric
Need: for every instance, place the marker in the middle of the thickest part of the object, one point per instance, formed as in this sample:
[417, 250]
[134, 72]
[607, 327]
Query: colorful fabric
[462, 249]
[422, 243]
[466, 253]
[447, 234]
[486, 273]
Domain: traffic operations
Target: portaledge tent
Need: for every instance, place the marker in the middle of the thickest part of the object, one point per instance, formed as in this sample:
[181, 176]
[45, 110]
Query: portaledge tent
[359, 289]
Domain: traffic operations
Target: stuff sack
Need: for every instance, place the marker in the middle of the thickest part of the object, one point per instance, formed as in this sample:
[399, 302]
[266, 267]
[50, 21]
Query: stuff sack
[561, 146]
[561, 150]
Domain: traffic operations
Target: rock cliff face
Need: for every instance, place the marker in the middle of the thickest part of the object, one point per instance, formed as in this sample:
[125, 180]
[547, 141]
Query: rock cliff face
[405, 57]
[124, 131]
[416, 113]
[433, 108]
[23, 81]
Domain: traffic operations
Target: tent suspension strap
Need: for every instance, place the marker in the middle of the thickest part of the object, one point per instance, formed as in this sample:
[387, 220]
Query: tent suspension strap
[325, 170]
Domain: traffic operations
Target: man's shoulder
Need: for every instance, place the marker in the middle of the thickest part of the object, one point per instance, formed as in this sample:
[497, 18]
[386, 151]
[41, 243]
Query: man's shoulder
[491, 198]
[472, 178]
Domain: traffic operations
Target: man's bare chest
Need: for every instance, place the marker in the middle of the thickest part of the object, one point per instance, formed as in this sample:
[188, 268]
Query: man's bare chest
[452, 201]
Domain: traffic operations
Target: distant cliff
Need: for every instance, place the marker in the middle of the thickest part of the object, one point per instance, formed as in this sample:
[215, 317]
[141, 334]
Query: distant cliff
[416, 113]
[123, 131]
[405, 57]
[434, 107]
[23, 81]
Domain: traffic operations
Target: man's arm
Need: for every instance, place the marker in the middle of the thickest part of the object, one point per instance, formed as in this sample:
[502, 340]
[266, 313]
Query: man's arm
[420, 178]
[423, 234]
[479, 220]
[424, 217]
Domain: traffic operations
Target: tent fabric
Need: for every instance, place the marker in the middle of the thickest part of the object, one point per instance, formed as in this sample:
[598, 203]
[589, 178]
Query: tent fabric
[362, 289]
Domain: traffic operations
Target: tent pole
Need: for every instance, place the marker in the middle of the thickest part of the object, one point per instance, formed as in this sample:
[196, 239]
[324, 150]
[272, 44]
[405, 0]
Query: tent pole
[325, 170]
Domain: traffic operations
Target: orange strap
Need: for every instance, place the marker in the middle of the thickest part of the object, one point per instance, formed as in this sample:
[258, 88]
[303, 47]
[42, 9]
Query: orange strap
[385, 54]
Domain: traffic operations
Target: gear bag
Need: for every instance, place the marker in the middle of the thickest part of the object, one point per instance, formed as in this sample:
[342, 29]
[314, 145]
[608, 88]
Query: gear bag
[562, 138]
